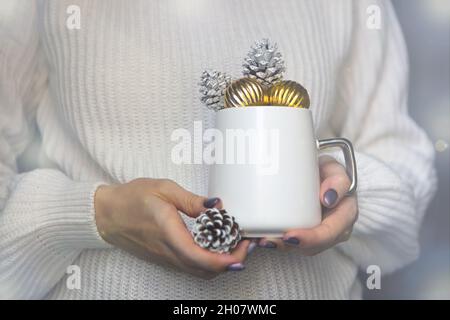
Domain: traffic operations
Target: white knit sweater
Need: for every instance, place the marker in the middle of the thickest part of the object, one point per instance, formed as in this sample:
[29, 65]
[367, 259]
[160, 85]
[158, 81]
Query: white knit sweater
[105, 99]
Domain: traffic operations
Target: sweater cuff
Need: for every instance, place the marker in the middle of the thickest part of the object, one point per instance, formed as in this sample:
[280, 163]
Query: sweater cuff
[386, 232]
[62, 210]
[73, 218]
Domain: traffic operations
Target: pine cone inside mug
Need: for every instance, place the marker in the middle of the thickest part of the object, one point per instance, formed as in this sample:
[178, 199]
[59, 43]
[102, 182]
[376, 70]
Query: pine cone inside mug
[264, 63]
[216, 230]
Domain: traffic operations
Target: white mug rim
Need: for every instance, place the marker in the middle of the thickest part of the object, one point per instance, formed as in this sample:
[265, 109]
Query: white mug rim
[266, 107]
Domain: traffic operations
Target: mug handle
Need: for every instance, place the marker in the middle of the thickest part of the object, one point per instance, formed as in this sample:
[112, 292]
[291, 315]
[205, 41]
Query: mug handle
[349, 155]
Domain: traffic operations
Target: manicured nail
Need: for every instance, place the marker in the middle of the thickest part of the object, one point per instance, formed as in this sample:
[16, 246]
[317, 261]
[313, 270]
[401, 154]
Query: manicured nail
[211, 202]
[236, 267]
[251, 247]
[330, 197]
[269, 245]
[293, 241]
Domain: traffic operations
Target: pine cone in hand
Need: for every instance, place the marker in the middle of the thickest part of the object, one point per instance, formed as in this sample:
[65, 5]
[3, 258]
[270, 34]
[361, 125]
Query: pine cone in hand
[212, 88]
[216, 231]
[264, 63]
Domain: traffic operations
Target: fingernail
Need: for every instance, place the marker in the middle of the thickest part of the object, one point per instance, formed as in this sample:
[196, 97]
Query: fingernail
[236, 267]
[269, 245]
[293, 241]
[330, 197]
[211, 202]
[251, 247]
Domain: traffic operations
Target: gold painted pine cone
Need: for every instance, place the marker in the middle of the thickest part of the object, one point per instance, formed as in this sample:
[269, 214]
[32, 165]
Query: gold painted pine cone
[289, 94]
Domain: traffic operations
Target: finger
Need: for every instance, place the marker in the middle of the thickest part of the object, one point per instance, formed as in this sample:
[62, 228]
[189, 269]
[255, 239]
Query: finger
[273, 243]
[345, 235]
[241, 250]
[216, 262]
[335, 182]
[184, 200]
[269, 243]
[328, 233]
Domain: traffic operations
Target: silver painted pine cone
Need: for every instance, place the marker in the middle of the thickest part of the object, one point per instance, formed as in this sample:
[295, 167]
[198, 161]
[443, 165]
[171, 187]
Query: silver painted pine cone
[264, 63]
[216, 230]
[212, 88]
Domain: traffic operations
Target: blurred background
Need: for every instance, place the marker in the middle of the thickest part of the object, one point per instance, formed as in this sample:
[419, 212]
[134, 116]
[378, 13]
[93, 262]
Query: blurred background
[426, 26]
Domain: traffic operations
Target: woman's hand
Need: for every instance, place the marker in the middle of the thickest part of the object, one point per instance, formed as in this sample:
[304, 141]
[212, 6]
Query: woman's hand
[340, 213]
[142, 218]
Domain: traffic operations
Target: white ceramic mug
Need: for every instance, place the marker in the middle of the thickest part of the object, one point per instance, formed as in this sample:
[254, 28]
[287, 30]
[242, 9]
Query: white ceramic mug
[269, 177]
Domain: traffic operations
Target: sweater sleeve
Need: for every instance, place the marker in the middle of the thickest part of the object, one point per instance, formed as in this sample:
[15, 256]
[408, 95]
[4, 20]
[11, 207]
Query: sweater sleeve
[46, 219]
[395, 159]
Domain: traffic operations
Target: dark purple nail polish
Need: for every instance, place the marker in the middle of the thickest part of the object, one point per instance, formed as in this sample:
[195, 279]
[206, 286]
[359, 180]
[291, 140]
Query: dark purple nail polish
[269, 245]
[251, 247]
[236, 267]
[293, 241]
[211, 202]
[330, 197]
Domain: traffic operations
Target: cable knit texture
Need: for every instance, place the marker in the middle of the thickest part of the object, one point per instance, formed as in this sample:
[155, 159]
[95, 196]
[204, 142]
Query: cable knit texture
[105, 99]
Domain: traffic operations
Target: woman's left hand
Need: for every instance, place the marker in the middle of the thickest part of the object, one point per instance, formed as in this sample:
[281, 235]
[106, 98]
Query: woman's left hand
[340, 213]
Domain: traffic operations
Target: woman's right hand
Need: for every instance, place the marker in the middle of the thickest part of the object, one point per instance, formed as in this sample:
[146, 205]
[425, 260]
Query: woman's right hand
[142, 218]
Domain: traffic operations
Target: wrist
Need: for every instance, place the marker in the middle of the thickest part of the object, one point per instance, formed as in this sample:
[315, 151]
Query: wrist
[103, 204]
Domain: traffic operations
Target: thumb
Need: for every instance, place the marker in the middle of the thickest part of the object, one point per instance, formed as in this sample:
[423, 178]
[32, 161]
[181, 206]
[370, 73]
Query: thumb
[186, 201]
[335, 182]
